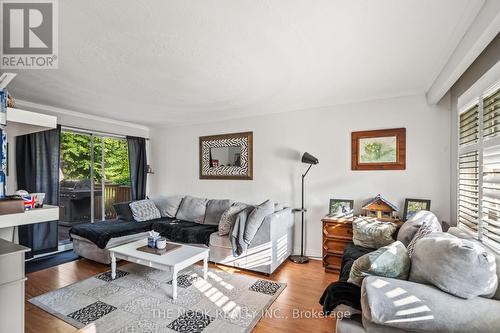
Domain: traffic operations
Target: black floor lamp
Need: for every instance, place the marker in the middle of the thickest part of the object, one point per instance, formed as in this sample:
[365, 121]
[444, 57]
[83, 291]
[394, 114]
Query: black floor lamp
[302, 259]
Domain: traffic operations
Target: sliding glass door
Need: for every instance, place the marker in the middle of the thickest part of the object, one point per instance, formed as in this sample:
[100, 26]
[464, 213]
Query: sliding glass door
[112, 176]
[94, 175]
[74, 182]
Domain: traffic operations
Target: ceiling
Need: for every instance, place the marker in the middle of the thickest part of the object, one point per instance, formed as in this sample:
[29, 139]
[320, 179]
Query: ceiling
[163, 62]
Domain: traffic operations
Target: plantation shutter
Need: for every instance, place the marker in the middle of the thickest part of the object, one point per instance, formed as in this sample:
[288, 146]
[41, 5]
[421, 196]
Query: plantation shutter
[469, 126]
[490, 203]
[478, 184]
[490, 226]
[468, 190]
[491, 114]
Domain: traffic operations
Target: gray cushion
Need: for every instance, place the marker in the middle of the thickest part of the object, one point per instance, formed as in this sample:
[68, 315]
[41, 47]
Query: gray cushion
[410, 227]
[168, 206]
[229, 217]
[215, 209]
[144, 210]
[462, 234]
[255, 219]
[192, 209]
[372, 233]
[414, 307]
[461, 267]
[389, 261]
[424, 230]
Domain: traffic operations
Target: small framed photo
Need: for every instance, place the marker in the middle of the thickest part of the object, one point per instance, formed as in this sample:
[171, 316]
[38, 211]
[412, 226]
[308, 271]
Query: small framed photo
[413, 206]
[341, 208]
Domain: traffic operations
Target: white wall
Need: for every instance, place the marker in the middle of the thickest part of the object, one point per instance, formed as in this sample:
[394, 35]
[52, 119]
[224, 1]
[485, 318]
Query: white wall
[280, 139]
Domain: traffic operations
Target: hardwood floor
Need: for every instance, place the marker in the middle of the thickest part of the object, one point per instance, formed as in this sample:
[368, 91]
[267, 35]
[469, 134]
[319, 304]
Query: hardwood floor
[305, 286]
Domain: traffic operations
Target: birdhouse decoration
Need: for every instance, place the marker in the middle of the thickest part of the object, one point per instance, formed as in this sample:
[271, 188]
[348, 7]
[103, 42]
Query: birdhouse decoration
[380, 208]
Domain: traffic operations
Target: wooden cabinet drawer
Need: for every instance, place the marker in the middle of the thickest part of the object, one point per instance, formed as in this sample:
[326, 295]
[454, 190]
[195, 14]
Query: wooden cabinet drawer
[332, 262]
[340, 230]
[334, 245]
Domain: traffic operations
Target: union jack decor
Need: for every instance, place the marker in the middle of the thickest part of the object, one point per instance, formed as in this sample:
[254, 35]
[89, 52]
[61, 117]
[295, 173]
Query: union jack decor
[29, 202]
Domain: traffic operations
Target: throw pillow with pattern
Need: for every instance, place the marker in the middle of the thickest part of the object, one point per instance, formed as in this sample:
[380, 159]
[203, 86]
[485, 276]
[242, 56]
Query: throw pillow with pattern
[424, 230]
[229, 217]
[144, 210]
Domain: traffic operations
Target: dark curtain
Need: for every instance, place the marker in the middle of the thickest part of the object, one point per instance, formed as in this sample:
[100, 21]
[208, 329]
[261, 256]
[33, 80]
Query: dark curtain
[37, 166]
[138, 166]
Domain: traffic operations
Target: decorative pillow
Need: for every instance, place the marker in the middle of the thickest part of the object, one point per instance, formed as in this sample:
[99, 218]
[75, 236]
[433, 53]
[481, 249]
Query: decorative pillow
[410, 227]
[256, 218]
[229, 217]
[192, 209]
[215, 209]
[461, 267]
[123, 212]
[144, 210]
[168, 206]
[371, 233]
[424, 230]
[390, 261]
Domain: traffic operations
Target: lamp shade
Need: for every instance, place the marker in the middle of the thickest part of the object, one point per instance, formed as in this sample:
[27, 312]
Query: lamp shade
[309, 159]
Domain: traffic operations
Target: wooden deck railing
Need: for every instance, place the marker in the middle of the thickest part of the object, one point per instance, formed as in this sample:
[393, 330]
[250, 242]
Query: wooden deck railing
[112, 194]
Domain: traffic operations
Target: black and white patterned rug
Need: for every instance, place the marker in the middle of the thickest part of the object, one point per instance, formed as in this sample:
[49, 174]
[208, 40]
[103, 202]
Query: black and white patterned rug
[139, 300]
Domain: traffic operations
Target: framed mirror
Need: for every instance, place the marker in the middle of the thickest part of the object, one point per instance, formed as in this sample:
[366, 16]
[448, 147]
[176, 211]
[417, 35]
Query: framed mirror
[227, 156]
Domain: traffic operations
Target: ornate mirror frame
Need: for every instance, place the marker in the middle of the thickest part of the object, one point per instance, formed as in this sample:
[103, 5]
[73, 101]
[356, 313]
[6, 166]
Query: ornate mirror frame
[243, 140]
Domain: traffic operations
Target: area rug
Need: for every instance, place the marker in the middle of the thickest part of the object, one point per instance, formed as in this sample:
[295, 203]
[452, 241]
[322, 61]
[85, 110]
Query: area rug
[139, 300]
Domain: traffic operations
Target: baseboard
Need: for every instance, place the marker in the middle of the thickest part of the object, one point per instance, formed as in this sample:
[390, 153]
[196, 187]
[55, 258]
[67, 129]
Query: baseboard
[310, 253]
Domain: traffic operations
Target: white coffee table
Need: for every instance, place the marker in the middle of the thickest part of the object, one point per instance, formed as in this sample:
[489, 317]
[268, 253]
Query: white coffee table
[174, 261]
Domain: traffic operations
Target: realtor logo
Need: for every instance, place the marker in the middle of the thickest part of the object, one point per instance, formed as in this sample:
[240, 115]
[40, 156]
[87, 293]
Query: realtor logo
[29, 34]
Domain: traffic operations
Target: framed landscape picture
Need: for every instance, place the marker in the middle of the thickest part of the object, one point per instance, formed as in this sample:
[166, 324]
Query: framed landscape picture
[413, 206]
[379, 149]
[341, 208]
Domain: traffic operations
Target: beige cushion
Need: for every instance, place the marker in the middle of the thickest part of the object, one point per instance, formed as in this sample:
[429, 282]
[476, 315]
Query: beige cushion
[372, 233]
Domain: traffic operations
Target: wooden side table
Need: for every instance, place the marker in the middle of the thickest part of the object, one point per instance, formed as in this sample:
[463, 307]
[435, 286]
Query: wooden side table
[337, 232]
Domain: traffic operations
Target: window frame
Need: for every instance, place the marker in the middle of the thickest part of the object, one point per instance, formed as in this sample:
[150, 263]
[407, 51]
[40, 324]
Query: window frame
[480, 146]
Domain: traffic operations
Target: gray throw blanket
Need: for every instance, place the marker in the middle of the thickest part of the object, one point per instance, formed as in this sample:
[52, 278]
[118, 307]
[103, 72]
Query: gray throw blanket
[237, 232]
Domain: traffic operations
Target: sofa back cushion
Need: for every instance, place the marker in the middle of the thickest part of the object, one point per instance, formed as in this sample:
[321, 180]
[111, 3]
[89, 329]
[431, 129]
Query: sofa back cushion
[215, 209]
[168, 206]
[192, 209]
[372, 233]
[461, 267]
[255, 219]
[409, 229]
[390, 261]
[462, 234]
[144, 210]
[123, 211]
